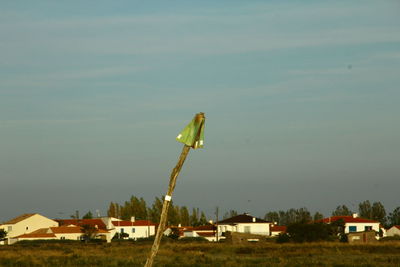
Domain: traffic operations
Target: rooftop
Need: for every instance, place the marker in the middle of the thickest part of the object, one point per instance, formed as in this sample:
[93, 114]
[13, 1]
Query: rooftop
[242, 218]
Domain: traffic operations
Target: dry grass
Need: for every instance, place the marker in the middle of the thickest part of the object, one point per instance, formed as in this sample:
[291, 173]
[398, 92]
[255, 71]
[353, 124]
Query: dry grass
[202, 254]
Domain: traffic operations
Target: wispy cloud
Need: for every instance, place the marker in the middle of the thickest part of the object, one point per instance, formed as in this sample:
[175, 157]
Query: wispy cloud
[208, 33]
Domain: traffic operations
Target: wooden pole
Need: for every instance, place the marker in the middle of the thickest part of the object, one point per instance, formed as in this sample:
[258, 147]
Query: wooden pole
[167, 201]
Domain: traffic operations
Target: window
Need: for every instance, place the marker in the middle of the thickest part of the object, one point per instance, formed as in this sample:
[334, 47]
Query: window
[9, 229]
[27, 228]
[133, 230]
[247, 229]
[62, 238]
[352, 228]
[122, 230]
[367, 228]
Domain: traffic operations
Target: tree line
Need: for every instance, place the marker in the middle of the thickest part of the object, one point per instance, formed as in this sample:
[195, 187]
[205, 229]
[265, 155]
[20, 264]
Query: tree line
[138, 208]
[373, 211]
[194, 217]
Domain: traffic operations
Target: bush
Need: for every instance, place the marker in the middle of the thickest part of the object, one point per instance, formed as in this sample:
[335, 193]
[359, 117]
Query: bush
[309, 232]
[283, 238]
[390, 238]
[343, 238]
[193, 239]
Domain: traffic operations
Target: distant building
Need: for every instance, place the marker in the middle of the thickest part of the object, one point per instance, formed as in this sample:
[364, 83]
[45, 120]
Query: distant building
[354, 223]
[277, 229]
[244, 223]
[209, 232]
[134, 229]
[393, 231]
[70, 232]
[362, 237]
[25, 224]
[98, 223]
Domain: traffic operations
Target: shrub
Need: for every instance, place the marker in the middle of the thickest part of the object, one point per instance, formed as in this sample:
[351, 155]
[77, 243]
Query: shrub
[309, 232]
[283, 238]
[193, 239]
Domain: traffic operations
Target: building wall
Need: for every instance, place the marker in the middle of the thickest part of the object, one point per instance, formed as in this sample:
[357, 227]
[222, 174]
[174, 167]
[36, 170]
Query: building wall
[69, 236]
[393, 231]
[362, 237]
[135, 232]
[360, 227]
[28, 225]
[250, 228]
[34, 238]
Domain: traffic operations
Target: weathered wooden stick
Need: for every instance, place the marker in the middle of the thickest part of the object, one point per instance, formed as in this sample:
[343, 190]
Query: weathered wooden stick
[167, 201]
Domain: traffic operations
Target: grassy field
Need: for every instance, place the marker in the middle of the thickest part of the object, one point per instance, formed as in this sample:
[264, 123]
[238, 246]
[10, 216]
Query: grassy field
[201, 254]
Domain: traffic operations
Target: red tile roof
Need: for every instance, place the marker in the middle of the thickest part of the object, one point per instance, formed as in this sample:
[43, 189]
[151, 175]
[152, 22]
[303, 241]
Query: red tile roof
[135, 223]
[205, 234]
[347, 219]
[278, 228]
[208, 227]
[33, 235]
[79, 222]
[20, 218]
[397, 226]
[66, 230]
[242, 218]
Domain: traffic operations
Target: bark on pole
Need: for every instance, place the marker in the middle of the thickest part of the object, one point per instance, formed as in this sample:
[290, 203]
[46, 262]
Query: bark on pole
[192, 136]
[167, 201]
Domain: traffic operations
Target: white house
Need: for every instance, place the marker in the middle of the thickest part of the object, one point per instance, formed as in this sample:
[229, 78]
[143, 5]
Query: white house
[208, 232]
[354, 223]
[244, 223]
[277, 229]
[26, 223]
[394, 230]
[70, 232]
[134, 229]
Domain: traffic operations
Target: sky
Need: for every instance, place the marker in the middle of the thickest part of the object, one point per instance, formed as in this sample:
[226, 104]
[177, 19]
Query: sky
[301, 101]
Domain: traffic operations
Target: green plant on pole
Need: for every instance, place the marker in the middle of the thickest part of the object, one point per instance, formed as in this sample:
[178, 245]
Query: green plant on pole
[192, 136]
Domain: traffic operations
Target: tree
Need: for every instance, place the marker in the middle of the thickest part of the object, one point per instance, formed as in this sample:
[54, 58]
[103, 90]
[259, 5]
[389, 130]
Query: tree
[318, 216]
[3, 234]
[272, 216]
[194, 217]
[203, 219]
[185, 217]
[394, 217]
[288, 217]
[309, 232]
[342, 210]
[155, 211]
[303, 215]
[88, 215]
[89, 231]
[173, 214]
[378, 212]
[365, 209]
[230, 214]
[112, 210]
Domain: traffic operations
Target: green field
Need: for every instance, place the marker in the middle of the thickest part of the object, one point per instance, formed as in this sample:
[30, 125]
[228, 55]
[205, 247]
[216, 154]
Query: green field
[200, 254]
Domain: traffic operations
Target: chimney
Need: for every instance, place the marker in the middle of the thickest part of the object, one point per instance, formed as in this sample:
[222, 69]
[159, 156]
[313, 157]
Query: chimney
[355, 215]
[133, 219]
[254, 219]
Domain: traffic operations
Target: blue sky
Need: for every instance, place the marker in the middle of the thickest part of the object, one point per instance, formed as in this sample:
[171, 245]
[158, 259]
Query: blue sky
[301, 100]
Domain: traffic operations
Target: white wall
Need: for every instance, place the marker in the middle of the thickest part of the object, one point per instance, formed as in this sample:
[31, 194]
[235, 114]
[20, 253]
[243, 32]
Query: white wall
[393, 231]
[139, 231]
[69, 236]
[28, 225]
[251, 228]
[360, 227]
